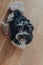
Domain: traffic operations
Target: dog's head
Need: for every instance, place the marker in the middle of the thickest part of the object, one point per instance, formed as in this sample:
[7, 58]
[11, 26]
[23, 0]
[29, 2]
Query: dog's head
[20, 28]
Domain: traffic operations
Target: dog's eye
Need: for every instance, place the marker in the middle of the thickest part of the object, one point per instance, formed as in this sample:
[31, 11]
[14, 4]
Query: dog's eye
[19, 27]
[25, 27]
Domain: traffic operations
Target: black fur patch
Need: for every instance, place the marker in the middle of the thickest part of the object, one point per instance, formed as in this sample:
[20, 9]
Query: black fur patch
[20, 25]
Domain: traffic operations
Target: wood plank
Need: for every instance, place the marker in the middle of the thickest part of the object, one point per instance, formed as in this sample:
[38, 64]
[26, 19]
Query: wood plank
[3, 5]
[33, 54]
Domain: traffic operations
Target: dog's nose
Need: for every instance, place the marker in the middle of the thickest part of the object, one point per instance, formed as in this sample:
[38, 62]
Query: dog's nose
[21, 36]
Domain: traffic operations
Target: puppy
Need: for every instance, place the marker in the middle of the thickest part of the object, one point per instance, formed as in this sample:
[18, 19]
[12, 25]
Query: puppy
[20, 28]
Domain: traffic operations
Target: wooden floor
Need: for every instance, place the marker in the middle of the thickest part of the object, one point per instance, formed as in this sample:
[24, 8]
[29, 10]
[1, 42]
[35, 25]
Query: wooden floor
[33, 54]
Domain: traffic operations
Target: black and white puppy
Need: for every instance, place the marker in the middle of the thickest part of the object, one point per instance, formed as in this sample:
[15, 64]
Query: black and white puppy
[20, 28]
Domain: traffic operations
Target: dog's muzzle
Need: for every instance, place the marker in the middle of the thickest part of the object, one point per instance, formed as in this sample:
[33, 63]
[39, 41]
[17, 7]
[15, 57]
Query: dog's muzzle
[24, 35]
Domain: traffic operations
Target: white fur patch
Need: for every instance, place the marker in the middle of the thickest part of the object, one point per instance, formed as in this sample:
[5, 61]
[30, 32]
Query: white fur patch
[22, 45]
[19, 5]
[10, 17]
[20, 33]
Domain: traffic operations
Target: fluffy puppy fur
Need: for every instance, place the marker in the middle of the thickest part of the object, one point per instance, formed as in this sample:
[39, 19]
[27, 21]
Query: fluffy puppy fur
[20, 27]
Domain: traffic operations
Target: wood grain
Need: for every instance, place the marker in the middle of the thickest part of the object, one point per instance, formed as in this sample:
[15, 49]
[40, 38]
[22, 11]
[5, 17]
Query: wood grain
[3, 6]
[33, 54]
